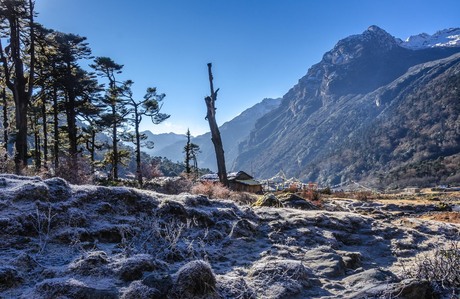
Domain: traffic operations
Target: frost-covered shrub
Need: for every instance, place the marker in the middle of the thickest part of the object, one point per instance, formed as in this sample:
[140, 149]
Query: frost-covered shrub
[137, 290]
[279, 278]
[71, 288]
[92, 263]
[244, 198]
[133, 268]
[6, 162]
[234, 287]
[442, 265]
[9, 277]
[160, 281]
[178, 186]
[195, 280]
[58, 189]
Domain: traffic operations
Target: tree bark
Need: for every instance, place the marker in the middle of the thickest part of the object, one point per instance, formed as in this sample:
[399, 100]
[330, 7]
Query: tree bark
[137, 121]
[20, 86]
[114, 145]
[215, 133]
[56, 127]
[5, 123]
[45, 135]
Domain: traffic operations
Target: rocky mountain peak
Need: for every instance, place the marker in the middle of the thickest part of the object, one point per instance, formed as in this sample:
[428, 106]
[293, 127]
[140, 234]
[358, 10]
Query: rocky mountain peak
[373, 38]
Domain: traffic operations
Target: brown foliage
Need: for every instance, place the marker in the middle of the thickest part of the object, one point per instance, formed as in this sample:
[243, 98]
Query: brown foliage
[81, 174]
[211, 190]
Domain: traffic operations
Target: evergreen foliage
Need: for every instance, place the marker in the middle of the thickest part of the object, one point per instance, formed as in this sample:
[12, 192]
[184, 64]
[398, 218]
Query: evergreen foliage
[52, 103]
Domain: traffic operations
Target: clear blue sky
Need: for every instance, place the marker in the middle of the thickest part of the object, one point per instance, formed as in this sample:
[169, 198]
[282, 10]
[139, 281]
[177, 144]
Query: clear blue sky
[258, 48]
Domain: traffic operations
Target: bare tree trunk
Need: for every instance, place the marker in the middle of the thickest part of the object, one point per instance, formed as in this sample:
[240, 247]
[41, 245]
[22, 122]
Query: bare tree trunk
[215, 133]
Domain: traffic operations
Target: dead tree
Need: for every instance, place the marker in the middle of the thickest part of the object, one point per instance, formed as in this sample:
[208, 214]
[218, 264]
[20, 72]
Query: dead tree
[215, 134]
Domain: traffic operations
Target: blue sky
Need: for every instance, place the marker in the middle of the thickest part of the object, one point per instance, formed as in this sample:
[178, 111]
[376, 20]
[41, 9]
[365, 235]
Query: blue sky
[259, 48]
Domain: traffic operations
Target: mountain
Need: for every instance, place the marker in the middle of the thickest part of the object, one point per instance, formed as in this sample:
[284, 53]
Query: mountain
[161, 141]
[372, 105]
[232, 132]
[444, 38]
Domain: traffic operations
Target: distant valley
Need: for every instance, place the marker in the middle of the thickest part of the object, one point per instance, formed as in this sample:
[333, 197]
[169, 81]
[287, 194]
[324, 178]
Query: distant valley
[233, 133]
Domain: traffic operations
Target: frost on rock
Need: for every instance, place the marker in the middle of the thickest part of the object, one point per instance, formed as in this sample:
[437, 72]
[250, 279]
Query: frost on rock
[280, 278]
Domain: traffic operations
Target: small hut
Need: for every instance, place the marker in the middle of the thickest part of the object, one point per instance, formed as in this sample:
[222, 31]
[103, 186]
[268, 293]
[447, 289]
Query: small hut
[241, 181]
[237, 181]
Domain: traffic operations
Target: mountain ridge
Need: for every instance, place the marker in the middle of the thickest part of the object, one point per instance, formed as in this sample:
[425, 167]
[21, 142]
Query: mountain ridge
[320, 112]
[233, 132]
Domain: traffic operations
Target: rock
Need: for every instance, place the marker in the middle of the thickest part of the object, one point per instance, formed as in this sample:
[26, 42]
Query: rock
[325, 262]
[370, 283]
[352, 260]
[195, 280]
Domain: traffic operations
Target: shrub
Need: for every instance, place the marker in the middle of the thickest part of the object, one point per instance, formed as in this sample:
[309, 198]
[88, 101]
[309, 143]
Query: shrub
[441, 266]
[177, 186]
[268, 200]
[310, 194]
[326, 191]
[243, 198]
[211, 190]
[6, 162]
[82, 175]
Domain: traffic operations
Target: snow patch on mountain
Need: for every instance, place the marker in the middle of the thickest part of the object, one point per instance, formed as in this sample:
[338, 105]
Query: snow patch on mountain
[444, 38]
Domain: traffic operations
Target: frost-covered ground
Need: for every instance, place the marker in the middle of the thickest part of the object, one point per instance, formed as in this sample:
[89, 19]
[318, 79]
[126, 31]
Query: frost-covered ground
[64, 241]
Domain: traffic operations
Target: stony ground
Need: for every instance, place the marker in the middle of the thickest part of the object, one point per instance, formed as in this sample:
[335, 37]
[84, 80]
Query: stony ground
[64, 241]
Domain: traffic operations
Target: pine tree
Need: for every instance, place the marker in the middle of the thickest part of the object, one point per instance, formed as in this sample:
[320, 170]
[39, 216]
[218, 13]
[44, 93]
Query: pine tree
[114, 116]
[191, 151]
[150, 106]
[18, 61]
